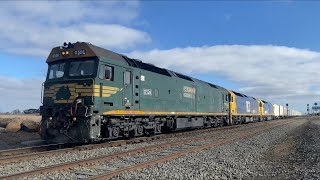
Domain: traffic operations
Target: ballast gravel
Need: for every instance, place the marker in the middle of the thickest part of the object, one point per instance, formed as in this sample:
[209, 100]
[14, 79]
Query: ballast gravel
[236, 160]
[105, 151]
[22, 166]
[242, 159]
[297, 156]
[132, 160]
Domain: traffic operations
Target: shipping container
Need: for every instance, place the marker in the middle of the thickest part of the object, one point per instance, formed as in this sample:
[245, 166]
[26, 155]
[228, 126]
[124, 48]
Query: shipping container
[276, 110]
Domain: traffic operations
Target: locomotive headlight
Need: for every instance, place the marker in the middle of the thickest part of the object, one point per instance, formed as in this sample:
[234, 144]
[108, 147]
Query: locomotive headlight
[74, 119]
[67, 52]
[50, 118]
[63, 53]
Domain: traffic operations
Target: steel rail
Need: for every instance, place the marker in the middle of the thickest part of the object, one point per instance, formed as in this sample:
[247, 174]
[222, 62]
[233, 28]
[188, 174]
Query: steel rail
[180, 154]
[41, 151]
[87, 162]
[13, 155]
[7, 154]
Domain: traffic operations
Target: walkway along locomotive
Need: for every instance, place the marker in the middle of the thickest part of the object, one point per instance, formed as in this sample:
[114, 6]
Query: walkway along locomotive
[92, 94]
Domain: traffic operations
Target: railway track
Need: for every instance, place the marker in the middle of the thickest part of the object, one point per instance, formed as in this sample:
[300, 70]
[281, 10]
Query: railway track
[14, 155]
[20, 154]
[176, 154]
[182, 147]
[5, 154]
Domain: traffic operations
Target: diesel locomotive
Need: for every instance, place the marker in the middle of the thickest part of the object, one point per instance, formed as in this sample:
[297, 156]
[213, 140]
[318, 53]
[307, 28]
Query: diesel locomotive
[92, 94]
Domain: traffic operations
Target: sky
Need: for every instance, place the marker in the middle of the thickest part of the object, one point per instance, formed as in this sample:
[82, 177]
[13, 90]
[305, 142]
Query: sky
[269, 50]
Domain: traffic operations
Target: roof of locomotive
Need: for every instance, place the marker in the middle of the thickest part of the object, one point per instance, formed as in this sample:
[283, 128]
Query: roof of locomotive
[80, 50]
[84, 49]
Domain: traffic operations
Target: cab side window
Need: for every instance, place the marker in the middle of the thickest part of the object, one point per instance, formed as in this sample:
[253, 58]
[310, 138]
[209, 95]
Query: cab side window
[127, 77]
[106, 72]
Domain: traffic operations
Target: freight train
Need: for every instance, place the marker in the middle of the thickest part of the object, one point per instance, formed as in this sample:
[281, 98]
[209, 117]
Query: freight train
[92, 94]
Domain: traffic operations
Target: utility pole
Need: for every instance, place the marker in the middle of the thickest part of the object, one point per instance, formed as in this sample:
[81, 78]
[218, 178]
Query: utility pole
[308, 109]
[287, 109]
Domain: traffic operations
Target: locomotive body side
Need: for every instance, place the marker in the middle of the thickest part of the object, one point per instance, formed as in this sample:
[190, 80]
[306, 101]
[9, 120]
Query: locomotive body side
[246, 108]
[92, 94]
[268, 110]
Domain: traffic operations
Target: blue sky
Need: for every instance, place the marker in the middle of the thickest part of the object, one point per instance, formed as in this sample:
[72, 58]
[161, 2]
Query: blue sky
[251, 47]
[290, 24]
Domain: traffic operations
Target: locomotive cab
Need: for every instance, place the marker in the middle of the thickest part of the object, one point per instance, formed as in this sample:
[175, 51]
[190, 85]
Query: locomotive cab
[71, 93]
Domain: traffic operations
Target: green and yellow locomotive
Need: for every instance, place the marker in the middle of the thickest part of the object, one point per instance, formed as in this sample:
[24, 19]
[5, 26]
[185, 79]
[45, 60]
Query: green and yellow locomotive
[92, 94]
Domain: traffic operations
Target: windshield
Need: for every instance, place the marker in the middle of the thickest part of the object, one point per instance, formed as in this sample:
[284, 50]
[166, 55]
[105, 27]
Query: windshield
[72, 68]
[56, 71]
[81, 68]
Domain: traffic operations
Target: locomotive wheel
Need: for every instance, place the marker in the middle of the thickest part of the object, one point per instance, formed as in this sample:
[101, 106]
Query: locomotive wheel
[115, 132]
[158, 128]
[139, 130]
[215, 124]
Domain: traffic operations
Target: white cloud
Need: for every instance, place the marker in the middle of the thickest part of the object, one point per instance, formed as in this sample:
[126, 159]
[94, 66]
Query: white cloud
[19, 93]
[34, 27]
[276, 73]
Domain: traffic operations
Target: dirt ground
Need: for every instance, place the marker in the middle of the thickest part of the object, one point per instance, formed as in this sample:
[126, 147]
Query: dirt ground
[13, 140]
[9, 140]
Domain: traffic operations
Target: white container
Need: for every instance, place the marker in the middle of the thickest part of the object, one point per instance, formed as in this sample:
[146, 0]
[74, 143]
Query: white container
[276, 110]
[281, 112]
[285, 111]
